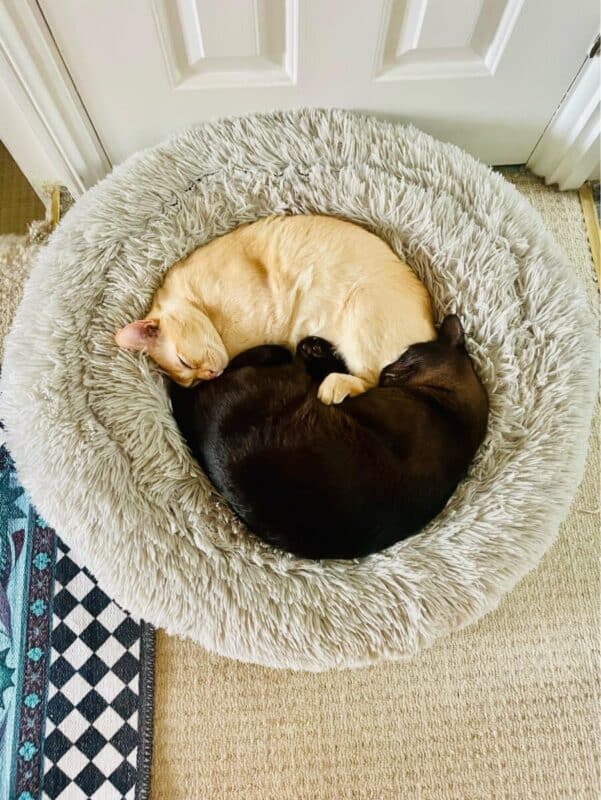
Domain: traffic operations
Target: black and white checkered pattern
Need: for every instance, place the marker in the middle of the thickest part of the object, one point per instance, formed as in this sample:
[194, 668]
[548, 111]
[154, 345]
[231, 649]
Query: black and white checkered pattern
[92, 736]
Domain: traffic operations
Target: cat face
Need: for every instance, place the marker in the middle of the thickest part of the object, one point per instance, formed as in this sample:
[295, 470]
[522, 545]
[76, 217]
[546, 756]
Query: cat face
[187, 348]
[443, 363]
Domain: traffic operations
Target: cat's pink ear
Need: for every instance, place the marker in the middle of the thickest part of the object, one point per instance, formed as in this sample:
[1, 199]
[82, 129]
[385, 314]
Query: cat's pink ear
[138, 335]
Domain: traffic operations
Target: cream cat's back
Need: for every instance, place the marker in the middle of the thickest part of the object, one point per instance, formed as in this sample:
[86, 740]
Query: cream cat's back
[329, 266]
[290, 273]
[278, 253]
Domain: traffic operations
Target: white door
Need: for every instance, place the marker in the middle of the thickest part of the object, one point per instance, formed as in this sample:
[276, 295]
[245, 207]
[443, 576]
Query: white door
[485, 74]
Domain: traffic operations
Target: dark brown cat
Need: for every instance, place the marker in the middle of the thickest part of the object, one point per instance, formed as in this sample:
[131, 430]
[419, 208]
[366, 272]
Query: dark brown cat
[337, 481]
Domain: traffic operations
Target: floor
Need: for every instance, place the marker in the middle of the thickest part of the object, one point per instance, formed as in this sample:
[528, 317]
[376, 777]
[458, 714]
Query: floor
[507, 708]
[19, 204]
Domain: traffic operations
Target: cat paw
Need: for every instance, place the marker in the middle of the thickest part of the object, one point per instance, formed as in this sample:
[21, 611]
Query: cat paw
[315, 347]
[336, 387]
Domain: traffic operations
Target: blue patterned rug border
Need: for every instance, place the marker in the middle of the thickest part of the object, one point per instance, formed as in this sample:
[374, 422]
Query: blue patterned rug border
[34, 684]
[27, 557]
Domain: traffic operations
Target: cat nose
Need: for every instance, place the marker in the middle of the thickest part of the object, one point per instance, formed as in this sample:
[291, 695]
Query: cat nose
[209, 374]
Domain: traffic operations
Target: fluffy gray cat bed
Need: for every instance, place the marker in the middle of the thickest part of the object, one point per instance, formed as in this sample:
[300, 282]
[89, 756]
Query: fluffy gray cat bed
[93, 438]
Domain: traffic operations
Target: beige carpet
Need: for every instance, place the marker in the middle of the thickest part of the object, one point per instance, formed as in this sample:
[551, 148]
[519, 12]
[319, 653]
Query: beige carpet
[506, 709]
[16, 254]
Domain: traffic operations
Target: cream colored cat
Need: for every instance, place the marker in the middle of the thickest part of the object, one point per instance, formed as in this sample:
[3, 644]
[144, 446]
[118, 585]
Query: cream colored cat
[276, 281]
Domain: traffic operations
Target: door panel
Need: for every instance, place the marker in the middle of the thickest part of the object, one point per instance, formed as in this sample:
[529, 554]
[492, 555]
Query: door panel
[231, 43]
[438, 39]
[485, 74]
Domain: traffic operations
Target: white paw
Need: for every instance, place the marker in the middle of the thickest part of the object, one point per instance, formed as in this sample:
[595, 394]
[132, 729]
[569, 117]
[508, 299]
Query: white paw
[336, 387]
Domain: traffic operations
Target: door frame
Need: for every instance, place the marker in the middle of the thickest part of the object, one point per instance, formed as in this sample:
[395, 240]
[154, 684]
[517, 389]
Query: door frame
[568, 151]
[43, 122]
[45, 126]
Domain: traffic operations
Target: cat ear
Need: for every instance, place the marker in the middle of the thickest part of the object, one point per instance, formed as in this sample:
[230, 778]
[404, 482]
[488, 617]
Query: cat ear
[138, 335]
[451, 330]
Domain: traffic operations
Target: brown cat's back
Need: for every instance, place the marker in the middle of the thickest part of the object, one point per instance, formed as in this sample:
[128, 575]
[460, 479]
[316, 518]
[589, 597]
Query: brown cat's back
[337, 482]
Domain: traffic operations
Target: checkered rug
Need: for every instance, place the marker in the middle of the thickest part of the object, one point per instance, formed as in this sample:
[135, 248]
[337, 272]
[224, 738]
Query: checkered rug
[76, 670]
[92, 727]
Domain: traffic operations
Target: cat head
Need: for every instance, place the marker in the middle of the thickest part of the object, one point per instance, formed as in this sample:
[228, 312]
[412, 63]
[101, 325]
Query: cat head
[187, 347]
[442, 363]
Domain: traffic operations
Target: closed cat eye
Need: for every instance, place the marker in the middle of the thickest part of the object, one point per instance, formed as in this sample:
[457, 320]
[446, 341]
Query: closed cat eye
[184, 363]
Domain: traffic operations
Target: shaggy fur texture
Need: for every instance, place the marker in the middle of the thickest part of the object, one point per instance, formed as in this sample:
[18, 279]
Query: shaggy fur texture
[95, 443]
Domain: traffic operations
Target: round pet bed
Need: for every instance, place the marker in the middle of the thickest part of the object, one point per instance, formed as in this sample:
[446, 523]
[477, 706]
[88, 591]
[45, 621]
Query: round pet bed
[94, 441]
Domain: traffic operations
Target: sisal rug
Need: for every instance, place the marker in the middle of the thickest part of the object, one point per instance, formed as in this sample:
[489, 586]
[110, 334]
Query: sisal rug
[16, 255]
[505, 709]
